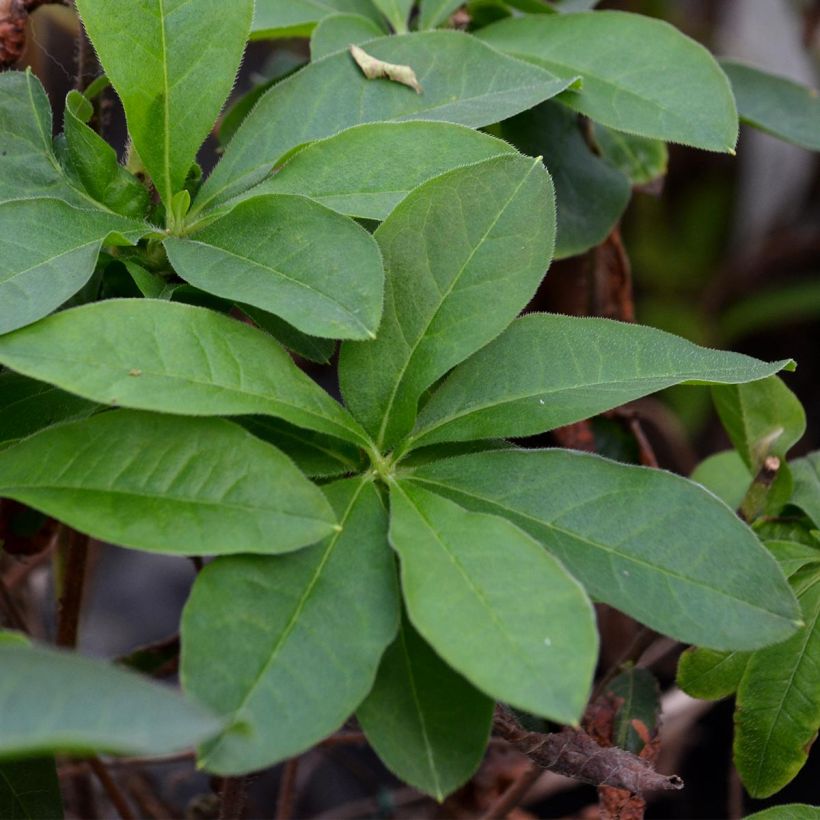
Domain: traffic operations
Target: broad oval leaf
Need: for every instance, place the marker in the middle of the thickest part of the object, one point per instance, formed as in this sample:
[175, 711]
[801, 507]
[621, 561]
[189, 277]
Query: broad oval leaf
[339, 31]
[640, 75]
[30, 790]
[464, 81]
[477, 236]
[308, 347]
[172, 72]
[726, 475]
[173, 358]
[650, 543]
[315, 268]
[429, 726]
[92, 707]
[710, 675]
[396, 11]
[494, 604]
[576, 368]
[641, 159]
[367, 170]
[806, 495]
[273, 19]
[787, 811]
[183, 486]
[299, 637]
[41, 269]
[435, 12]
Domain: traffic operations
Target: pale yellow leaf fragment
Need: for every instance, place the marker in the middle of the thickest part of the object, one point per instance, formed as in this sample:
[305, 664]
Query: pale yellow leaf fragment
[375, 69]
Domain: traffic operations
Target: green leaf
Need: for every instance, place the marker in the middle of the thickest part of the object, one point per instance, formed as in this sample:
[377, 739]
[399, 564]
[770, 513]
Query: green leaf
[308, 347]
[95, 163]
[778, 701]
[711, 675]
[368, 169]
[171, 72]
[793, 556]
[649, 543]
[9, 637]
[429, 726]
[182, 486]
[788, 811]
[30, 790]
[91, 707]
[339, 31]
[464, 82]
[396, 11]
[433, 13]
[640, 75]
[274, 19]
[41, 269]
[806, 495]
[776, 105]
[474, 236]
[299, 637]
[27, 406]
[641, 159]
[591, 196]
[173, 358]
[725, 475]
[638, 688]
[494, 604]
[288, 255]
[762, 418]
[576, 368]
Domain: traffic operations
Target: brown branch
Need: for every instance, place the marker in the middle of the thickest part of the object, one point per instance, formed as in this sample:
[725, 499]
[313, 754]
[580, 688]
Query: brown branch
[286, 798]
[232, 798]
[75, 550]
[512, 797]
[15, 617]
[113, 791]
[575, 754]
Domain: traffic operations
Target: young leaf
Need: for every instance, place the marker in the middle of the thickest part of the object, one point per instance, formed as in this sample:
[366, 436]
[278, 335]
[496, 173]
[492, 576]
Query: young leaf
[92, 707]
[639, 691]
[396, 11]
[640, 75]
[183, 486]
[299, 636]
[711, 675]
[30, 790]
[464, 82]
[172, 72]
[641, 159]
[173, 358]
[499, 217]
[288, 255]
[778, 701]
[494, 604]
[428, 725]
[591, 195]
[274, 19]
[41, 269]
[650, 543]
[433, 13]
[368, 169]
[339, 31]
[777, 105]
[806, 495]
[726, 475]
[576, 368]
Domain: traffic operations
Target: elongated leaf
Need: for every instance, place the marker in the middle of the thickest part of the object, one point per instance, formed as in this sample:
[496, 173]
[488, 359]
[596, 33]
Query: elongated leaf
[788, 811]
[639, 690]
[167, 484]
[806, 495]
[475, 236]
[339, 31]
[650, 543]
[428, 725]
[591, 195]
[641, 159]
[495, 605]
[575, 369]
[433, 13]
[299, 637]
[464, 82]
[793, 556]
[711, 675]
[368, 169]
[10, 637]
[640, 75]
[30, 790]
[91, 707]
[318, 270]
[40, 269]
[725, 475]
[297, 18]
[396, 11]
[308, 347]
[172, 358]
[171, 72]
[778, 701]
[777, 105]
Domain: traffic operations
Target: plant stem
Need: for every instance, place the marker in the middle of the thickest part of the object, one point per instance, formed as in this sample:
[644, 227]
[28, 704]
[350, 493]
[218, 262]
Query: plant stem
[75, 546]
[513, 796]
[113, 791]
[14, 615]
[754, 502]
[287, 790]
[232, 804]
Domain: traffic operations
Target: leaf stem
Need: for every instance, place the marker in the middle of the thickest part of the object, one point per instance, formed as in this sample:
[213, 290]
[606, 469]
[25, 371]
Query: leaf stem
[113, 791]
[232, 798]
[287, 790]
[512, 797]
[75, 550]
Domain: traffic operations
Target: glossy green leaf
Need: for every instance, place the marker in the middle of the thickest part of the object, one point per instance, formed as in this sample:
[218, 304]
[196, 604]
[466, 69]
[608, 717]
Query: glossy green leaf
[762, 418]
[299, 637]
[711, 675]
[725, 475]
[475, 236]
[396, 11]
[788, 811]
[638, 689]
[308, 347]
[641, 159]
[96, 165]
[41, 269]
[464, 81]
[640, 75]
[535, 649]
[650, 543]
[806, 495]
[339, 31]
[433, 13]
[777, 105]
[368, 169]
[288, 255]
[91, 707]
[778, 701]
[171, 71]
[591, 195]
[297, 18]
[429, 726]
[30, 790]
[188, 486]
[575, 368]
[172, 358]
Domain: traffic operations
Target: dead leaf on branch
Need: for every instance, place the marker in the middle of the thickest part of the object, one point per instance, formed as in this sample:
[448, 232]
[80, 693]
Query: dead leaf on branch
[375, 69]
